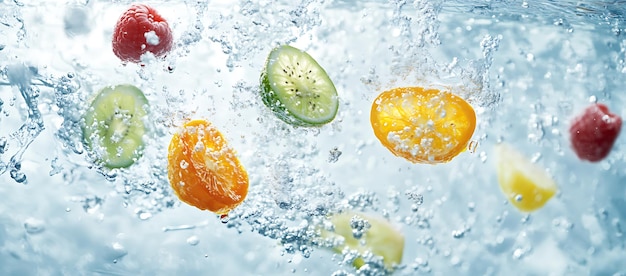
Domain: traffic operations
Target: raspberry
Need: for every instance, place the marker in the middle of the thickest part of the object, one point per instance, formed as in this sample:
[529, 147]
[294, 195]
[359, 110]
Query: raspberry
[594, 132]
[140, 30]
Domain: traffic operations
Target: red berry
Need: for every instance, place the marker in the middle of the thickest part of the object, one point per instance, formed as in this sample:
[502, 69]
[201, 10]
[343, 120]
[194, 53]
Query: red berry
[139, 30]
[594, 132]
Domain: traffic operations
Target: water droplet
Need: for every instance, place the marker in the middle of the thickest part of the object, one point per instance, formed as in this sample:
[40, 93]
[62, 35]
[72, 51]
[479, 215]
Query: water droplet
[593, 99]
[3, 144]
[471, 206]
[56, 167]
[34, 226]
[18, 176]
[518, 198]
[483, 156]
[457, 234]
[518, 253]
[535, 157]
[193, 240]
[471, 147]
[184, 165]
[91, 204]
[110, 175]
[224, 218]
[334, 155]
[143, 215]
[117, 252]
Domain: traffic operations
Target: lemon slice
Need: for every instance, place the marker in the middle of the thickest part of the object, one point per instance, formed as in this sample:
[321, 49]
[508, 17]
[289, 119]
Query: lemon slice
[527, 186]
[379, 237]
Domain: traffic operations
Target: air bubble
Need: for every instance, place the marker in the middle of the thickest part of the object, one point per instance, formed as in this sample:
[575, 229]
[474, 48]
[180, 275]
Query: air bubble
[224, 218]
[184, 164]
[334, 155]
[593, 99]
[34, 226]
[143, 215]
[18, 176]
[471, 147]
[193, 240]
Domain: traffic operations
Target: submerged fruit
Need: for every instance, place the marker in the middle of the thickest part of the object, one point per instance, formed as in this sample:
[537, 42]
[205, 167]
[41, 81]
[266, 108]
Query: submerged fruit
[527, 186]
[203, 170]
[422, 125]
[115, 125]
[141, 30]
[594, 132]
[380, 238]
[297, 89]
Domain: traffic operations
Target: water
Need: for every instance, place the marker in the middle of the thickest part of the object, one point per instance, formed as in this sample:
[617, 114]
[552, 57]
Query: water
[527, 68]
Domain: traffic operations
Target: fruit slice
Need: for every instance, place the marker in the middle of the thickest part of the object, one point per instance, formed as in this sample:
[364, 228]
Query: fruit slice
[297, 89]
[115, 126]
[203, 171]
[527, 186]
[422, 125]
[140, 30]
[594, 132]
[381, 238]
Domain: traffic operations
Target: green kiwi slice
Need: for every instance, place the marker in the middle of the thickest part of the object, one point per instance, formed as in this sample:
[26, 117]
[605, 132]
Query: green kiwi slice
[114, 125]
[297, 89]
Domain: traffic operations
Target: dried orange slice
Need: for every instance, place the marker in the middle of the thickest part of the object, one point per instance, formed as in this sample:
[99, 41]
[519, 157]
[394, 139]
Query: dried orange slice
[423, 125]
[204, 171]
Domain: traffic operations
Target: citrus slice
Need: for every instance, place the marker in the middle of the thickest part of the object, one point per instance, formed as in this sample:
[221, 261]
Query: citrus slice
[527, 186]
[297, 89]
[380, 238]
[203, 171]
[422, 125]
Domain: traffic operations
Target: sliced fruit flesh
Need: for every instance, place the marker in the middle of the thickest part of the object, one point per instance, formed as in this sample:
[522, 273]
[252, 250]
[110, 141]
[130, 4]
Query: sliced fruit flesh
[381, 239]
[114, 125]
[203, 171]
[527, 186]
[301, 86]
[423, 126]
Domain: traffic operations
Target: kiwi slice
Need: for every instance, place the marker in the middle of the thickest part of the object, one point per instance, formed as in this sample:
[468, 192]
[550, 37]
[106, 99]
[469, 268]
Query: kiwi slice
[115, 126]
[297, 89]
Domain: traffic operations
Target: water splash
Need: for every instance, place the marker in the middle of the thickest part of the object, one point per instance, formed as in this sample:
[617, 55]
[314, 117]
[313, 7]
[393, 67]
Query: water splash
[20, 76]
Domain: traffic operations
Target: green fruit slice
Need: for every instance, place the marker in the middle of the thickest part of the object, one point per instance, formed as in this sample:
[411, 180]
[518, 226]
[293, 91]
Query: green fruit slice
[381, 239]
[297, 89]
[114, 125]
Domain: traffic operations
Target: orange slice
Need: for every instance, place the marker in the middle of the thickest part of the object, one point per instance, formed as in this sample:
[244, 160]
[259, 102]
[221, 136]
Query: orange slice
[203, 171]
[423, 125]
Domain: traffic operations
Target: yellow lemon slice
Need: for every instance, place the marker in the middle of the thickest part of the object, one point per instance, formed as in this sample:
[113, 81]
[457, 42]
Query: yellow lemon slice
[527, 186]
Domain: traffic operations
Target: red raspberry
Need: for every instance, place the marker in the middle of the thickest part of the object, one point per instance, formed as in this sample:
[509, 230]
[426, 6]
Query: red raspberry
[594, 132]
[139, 30]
